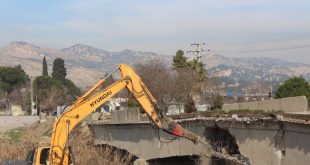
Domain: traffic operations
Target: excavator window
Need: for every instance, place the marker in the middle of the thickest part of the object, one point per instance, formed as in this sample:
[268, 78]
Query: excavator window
[44, 155]
[30, 156]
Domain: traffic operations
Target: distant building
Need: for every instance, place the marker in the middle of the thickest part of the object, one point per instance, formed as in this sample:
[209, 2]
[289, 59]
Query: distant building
[175, 109]
[17, 110]
[34, 110]
[114, 104]
[203, 107]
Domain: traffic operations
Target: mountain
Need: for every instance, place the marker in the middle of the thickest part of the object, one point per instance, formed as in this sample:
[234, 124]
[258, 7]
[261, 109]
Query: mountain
[93, 58]
[86, 64]
[234, 71]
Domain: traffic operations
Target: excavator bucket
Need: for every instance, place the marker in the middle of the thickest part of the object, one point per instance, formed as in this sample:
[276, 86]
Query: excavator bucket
[176, 129]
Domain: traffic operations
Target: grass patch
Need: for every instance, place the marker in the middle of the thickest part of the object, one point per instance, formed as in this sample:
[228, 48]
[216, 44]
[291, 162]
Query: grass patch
[14, 135]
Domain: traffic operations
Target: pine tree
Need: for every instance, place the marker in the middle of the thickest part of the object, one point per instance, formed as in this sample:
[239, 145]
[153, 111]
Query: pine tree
[59, 70]
[179, 61]
[199, 69]
[44, 67]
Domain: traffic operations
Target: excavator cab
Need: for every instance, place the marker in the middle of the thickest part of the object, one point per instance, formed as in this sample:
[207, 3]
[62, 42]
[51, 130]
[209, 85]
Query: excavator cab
[38, 156]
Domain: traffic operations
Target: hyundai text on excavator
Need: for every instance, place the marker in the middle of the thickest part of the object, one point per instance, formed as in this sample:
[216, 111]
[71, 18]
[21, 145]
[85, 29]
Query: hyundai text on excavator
[58, 153]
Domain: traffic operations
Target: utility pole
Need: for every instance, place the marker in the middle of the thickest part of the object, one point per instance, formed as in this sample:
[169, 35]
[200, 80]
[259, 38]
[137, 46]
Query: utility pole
[270, 92]
[198, 50]
[34, 106]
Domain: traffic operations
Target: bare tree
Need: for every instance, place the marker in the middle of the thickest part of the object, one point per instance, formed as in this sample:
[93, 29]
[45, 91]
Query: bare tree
[167, 85]
[159, 80]
[54, 99]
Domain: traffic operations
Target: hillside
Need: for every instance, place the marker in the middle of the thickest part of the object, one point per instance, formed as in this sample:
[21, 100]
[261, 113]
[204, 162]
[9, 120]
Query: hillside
[86, 64]
[244, 70]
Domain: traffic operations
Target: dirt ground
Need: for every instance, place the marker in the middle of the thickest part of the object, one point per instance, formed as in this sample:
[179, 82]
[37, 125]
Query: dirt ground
[13, 122]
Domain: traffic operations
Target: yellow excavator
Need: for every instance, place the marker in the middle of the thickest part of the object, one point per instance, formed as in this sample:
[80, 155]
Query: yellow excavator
[58, 153]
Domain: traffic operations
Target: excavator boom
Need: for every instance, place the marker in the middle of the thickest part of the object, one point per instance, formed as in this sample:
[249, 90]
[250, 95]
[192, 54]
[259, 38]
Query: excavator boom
[90, 101]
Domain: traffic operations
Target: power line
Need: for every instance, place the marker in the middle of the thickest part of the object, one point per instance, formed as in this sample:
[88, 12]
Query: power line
[271, 49]
[198, 50]
[284, 39]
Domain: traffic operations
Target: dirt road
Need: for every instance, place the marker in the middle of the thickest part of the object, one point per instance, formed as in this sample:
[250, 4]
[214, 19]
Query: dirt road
[11, 122]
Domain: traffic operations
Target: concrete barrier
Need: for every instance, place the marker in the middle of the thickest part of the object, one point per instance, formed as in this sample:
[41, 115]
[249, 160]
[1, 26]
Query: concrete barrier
[289, 104]
[126, 116]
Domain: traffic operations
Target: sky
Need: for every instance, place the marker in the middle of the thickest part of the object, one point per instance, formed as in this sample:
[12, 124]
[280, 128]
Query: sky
[232, 28]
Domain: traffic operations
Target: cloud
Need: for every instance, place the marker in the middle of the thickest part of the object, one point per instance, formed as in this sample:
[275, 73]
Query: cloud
[184, 17]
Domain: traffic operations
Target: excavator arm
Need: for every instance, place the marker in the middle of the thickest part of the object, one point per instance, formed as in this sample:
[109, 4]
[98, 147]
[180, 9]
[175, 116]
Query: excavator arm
[92, 100]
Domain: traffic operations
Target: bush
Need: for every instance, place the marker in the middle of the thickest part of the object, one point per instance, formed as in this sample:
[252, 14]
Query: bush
[217, 102]
[295, 86]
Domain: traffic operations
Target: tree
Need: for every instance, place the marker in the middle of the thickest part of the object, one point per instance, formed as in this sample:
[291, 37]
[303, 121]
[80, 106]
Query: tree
[11, 77]
[159, 80]
[184, 85]
[217, 102]
[49, 92]
[71, 90]
[295, 86]
[59, 70]
[198, 68]
[55, 90]
[193, 72]
[179, 61]
[44, 67]
[54, 98]
[189, 106]
[14, 86]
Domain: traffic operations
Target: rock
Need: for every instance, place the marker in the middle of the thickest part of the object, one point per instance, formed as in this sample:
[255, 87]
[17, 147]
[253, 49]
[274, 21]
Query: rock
[234, 116]
[140, 162]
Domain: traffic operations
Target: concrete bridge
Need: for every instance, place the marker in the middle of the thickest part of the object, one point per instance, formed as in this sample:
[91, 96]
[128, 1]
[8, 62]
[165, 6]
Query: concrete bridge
[262, 138]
